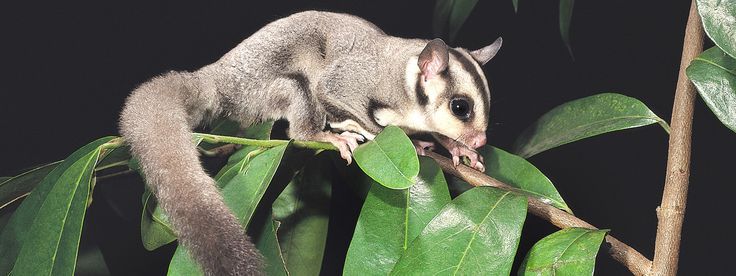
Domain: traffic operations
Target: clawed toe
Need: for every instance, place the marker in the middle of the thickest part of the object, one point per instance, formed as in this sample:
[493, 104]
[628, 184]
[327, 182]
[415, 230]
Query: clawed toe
[480, 167]
[455, 160]
[351, 139]
[476, 160]
[353, 135]
[345, 142]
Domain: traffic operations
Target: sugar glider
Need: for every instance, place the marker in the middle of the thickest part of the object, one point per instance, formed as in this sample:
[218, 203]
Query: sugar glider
[334, 77]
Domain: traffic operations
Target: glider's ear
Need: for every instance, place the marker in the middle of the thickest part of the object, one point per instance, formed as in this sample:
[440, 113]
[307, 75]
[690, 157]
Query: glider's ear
[433, 59]
[483, 55]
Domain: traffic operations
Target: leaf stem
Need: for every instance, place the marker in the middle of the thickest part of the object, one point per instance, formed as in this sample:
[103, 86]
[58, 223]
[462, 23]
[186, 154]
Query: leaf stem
[211, 138]
[114, 143]
[103, 177]
[112, 165]
[664, 125]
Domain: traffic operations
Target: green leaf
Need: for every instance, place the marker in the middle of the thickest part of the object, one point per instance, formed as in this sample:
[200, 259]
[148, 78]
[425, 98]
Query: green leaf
[43, 234]
[116, 157]
[391, 219]
[518, 172]
[260, 131]
[225, 126]
[714, 75]
[449, 16]
[565, 18]
[516, 5]
[91, 262]
[390, 159]
[475, 234]
[303, 209]
[719, 22]
[268, 245]
[236, 164]
[242, 192]
[155, 226]
[583, 118]
[6, 213]
[569, 251]
[156, 229]
[16, 187]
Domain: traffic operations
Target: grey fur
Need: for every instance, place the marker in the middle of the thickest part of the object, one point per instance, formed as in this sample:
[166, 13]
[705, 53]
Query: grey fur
[483, 55]
[311, 68]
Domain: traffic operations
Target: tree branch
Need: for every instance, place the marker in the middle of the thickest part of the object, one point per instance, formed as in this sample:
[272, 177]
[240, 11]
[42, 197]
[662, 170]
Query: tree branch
[629, 257]
[671, 212]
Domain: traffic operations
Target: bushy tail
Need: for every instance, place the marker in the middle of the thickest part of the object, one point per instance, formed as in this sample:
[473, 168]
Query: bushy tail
[156, 122]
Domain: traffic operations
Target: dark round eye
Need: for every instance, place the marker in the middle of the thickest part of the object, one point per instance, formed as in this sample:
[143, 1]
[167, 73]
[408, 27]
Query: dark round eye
[460, 107]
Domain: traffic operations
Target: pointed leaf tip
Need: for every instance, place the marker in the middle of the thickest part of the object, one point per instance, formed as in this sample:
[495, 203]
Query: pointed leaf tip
[583, 118]
[519, 173]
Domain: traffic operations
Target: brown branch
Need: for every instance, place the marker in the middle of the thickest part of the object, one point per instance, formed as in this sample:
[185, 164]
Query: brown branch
[629, 257]
[671, 212]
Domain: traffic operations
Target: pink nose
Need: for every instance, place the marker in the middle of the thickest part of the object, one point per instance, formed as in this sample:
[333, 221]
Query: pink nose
[478, 141]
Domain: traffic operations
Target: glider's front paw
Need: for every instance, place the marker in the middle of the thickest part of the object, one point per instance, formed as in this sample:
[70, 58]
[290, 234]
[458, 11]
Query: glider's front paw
[458, 150]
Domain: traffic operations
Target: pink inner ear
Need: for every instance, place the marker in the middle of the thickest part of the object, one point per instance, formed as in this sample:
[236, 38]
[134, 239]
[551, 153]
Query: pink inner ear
[425, 70]
[430, 67]
[433, 59]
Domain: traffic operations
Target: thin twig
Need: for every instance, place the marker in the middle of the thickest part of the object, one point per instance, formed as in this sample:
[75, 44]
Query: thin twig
[103, 177]
[211, 138]
[629, 257]
[112, 165]
[223, 150]
[671, 212]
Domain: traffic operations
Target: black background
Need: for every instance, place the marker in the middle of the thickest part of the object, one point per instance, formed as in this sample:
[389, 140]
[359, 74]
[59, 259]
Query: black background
[67, 67]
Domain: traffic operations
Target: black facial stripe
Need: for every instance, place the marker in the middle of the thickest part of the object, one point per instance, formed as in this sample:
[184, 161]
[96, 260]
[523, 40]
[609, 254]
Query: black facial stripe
[422, 98]
[469, 67]
[451, 92]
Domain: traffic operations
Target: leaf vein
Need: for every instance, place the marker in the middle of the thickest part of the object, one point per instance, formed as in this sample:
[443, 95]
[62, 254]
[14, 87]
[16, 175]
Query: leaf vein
[475, 232]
